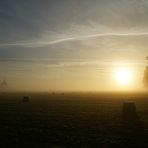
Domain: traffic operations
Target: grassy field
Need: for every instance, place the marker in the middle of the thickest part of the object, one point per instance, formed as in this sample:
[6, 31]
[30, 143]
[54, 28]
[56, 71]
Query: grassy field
[72, 120]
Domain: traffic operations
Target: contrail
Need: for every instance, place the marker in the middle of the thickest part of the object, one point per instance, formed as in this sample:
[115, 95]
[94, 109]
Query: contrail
[39, 43]
[42, 43]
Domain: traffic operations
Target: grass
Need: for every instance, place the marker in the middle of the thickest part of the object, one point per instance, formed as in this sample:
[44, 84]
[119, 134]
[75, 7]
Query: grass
[71, 120]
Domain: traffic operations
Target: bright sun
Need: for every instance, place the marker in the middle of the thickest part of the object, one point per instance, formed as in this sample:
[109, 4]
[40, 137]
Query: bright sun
[123, 76]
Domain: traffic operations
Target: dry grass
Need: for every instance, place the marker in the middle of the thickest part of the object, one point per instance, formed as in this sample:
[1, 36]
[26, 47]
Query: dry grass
[71, 120]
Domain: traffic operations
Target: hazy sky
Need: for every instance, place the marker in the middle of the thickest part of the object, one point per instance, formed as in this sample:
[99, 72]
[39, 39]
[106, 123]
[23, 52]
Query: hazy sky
[71, 44]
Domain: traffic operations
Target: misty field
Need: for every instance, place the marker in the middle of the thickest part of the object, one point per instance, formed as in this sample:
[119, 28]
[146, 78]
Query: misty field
[72, 120]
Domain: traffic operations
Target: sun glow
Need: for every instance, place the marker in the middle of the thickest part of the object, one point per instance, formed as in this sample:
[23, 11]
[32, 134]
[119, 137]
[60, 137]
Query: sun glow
[123, 76]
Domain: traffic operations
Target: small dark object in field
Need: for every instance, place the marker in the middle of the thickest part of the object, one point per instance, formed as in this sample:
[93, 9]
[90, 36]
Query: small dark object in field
[53, 93]
[129, 107]
[133, 127]
[25, 99]
[130, 116]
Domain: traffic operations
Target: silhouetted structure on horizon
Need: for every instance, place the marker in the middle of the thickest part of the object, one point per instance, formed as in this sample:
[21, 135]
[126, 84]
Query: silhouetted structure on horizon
[145, 77]
[4, 86]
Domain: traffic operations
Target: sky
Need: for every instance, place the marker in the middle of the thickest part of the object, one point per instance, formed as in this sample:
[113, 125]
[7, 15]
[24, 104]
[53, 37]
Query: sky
[72, 45]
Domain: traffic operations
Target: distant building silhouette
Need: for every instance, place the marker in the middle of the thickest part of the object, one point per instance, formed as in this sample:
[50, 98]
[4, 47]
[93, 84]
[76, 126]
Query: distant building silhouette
[4, 85]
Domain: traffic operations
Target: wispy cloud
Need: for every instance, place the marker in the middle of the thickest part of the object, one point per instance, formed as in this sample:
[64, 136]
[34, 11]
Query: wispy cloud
[43, 43]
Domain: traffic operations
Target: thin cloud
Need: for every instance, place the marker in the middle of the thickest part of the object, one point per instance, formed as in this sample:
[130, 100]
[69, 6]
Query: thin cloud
[42, 43]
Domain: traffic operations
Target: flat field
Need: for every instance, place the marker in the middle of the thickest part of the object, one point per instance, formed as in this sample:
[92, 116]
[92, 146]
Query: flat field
[73, 120]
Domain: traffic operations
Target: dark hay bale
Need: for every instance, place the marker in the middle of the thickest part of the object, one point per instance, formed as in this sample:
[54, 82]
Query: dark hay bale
[129, 108]
[26, 99]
